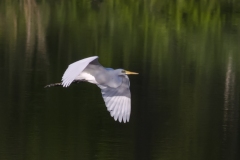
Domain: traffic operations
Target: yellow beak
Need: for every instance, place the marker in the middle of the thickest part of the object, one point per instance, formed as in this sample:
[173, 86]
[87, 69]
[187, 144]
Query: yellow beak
[129, 72]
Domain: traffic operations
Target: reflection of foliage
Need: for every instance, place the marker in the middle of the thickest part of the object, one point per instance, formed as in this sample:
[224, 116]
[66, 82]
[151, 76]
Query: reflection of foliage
[24, 21]
[137, 22]
[142, 25]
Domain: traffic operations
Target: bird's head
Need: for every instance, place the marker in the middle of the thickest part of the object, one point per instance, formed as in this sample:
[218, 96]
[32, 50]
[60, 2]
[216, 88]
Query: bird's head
[125, 72]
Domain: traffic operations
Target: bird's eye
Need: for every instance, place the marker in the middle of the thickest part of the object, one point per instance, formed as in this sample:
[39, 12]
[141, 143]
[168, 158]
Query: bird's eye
[123, 71]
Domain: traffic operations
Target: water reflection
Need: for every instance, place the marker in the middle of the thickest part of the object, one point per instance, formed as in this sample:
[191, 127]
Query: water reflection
[35, 31]
[184, 102]
[96, 4]
[230, 112]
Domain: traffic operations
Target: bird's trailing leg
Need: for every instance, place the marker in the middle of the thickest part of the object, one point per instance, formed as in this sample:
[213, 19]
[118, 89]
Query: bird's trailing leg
[53, 84]
[60, 84]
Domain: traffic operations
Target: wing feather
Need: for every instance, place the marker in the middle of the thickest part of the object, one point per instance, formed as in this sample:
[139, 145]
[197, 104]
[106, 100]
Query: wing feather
[115, 108]
[111, 104]
[124, 115]
[118, 100]
[128, 110]
[109, 96]
[109, 99]
[75, 69]
[121, 111]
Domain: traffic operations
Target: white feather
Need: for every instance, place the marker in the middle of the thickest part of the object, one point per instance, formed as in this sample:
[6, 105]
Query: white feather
[87, 77]
[75, 69]
[117, 100]
[120, 112]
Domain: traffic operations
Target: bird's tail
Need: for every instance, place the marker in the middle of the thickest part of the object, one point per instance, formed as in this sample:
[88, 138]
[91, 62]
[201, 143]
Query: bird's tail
[54, 84]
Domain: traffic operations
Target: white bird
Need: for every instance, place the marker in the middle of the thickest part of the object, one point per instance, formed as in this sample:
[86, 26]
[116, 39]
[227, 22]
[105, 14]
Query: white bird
[114, 84]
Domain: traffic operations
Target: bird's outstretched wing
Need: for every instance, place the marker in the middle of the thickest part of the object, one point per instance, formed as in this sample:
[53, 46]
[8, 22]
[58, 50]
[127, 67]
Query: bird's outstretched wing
[118, 100]
[75, 69]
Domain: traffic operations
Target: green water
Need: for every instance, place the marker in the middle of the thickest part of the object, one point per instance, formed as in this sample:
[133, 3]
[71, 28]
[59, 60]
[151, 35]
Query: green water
[185, 101]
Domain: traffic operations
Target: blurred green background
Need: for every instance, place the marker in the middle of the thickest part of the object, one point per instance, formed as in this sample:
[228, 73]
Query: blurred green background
[185, 101]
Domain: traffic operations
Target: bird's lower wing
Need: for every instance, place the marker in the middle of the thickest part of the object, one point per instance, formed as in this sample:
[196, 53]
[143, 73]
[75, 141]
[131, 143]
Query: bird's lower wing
[75, 69]
[118, 100]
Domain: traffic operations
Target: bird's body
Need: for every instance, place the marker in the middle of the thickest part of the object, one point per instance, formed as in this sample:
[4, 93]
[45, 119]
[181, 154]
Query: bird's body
[114, 84]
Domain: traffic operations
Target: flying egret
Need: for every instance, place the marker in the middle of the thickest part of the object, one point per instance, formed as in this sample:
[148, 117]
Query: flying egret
[114, 84]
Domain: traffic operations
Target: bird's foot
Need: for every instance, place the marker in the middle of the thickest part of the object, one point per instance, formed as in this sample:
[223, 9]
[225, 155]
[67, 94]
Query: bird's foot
[52, 85]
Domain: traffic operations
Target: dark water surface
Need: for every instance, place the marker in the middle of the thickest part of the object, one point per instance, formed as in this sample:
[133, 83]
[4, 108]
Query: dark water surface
[185, 101]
